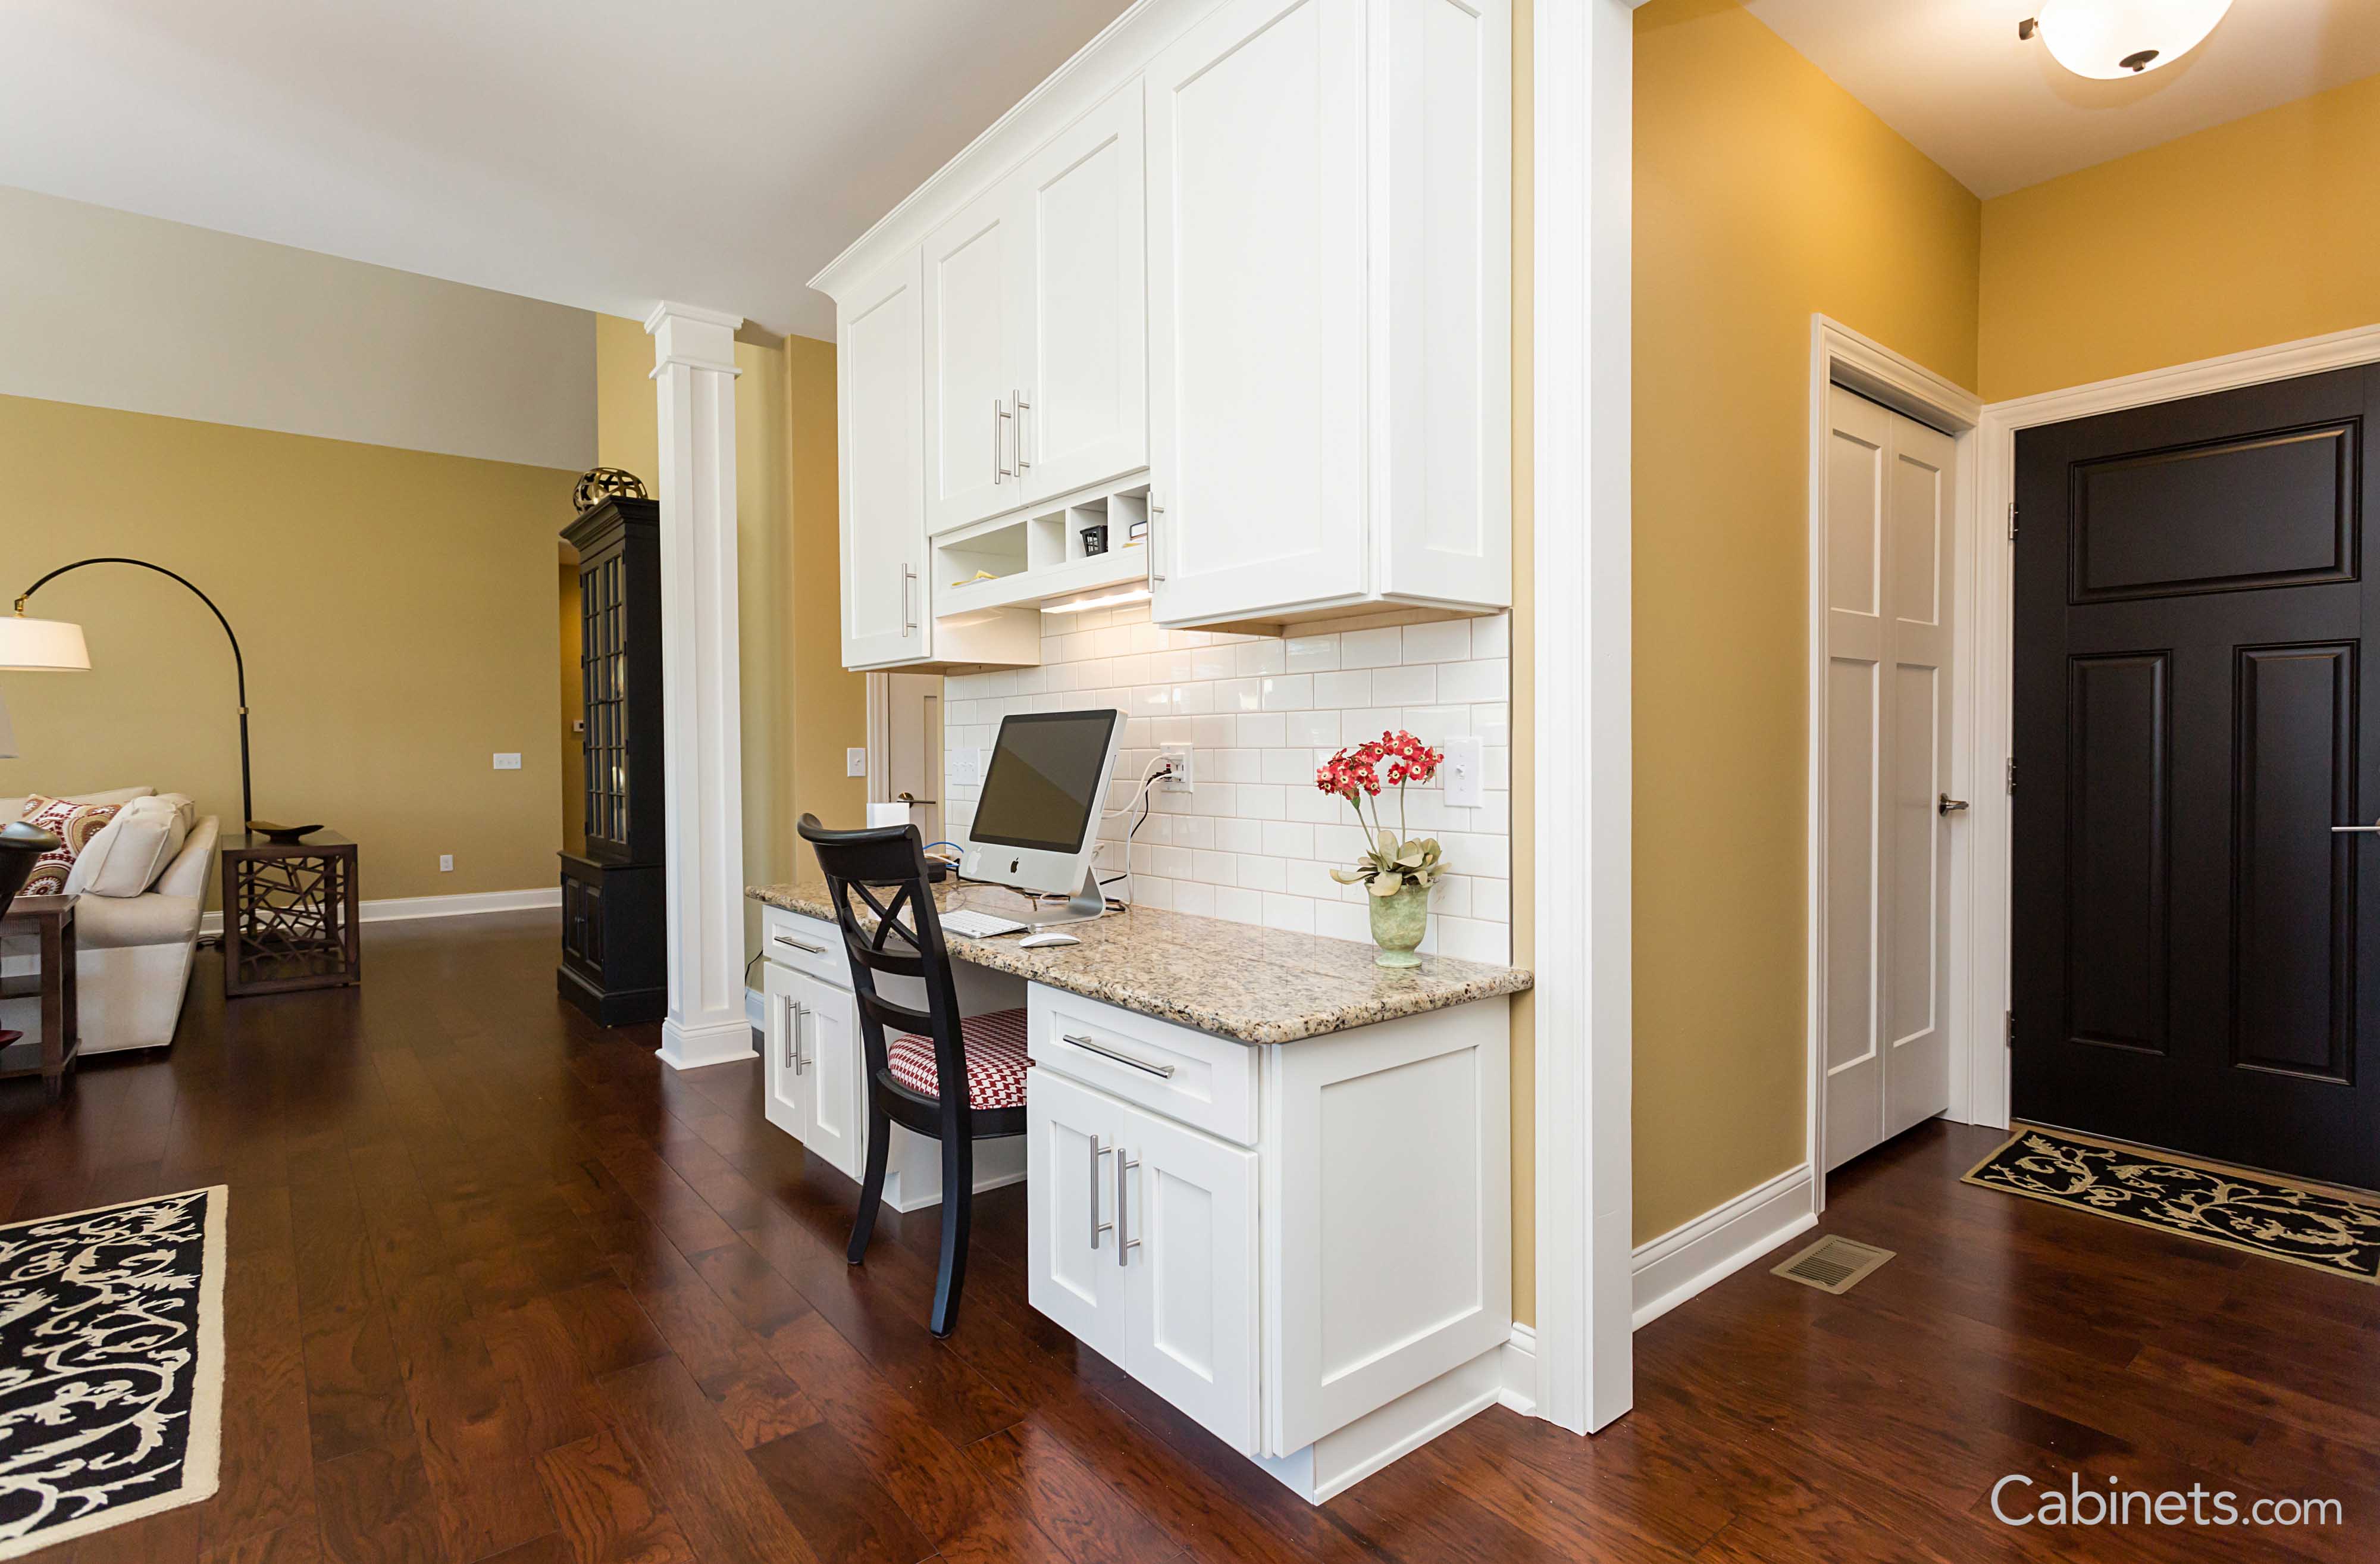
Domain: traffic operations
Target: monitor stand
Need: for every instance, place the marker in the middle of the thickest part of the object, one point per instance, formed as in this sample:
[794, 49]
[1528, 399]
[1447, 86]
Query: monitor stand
[1084, 905]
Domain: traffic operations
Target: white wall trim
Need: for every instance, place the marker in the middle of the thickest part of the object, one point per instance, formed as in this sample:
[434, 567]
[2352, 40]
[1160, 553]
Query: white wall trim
[1520, 1363]
[404, 909]
[1839, 355]
[1721, 1241]
[1982, 1068]
[1581, 580]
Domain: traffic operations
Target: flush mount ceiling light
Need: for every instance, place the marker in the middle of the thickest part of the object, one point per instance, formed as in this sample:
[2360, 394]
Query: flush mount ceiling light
[2113, 39]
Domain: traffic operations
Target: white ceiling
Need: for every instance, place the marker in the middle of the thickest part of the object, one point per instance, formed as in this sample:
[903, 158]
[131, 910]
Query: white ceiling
[602, 154]
[1952, 76]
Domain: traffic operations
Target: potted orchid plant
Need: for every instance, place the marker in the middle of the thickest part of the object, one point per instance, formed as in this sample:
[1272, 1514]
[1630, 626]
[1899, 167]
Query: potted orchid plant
[1396, 870]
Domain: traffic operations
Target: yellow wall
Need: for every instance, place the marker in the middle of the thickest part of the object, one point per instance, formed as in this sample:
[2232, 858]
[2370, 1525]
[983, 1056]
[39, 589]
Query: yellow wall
[800, 711]
[1525, 684]
[2256, 232]
[1763, 193]
[396, 609]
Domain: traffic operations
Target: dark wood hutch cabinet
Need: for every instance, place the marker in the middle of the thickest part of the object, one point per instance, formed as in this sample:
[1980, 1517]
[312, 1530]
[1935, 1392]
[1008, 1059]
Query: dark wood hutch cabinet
[614, 959]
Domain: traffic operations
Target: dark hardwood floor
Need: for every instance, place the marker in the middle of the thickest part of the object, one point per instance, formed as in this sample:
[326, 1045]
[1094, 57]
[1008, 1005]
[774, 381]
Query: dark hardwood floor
[502, 1287]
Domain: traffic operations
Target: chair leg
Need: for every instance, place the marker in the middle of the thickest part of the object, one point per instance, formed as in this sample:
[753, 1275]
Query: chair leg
[958, 1209]
[872, 1187]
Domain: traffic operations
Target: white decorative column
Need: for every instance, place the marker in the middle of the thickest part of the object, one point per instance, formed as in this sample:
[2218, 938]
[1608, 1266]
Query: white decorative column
[694, 380]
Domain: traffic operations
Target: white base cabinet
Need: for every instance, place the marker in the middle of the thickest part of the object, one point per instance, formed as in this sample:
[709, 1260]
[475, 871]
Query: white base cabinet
[1306, 1248]
[816, 1090]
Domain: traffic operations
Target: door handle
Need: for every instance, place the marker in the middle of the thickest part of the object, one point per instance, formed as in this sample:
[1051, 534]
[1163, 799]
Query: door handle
[1154, 575]
[1000, 415]
[1125, 1244]
[1950, 805]
[800, 943]
[908, 613]
[795, 1010]
[1023, 406]
[1098, 1226]
[1163, 1071]
[2343, 830]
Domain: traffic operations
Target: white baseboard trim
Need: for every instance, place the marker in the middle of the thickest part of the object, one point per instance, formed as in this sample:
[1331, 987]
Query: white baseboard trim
[1520, 1364]
[1346, 1457]
[403, 908]
[1720, 1241]
[755, 1010]
[701, 1046]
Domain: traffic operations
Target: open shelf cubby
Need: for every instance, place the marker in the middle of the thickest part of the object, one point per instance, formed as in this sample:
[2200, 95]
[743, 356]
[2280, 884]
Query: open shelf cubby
[1041, 553]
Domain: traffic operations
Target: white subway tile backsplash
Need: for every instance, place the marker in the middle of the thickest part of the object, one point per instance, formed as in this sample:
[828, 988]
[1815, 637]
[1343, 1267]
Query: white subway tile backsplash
[1256, 841]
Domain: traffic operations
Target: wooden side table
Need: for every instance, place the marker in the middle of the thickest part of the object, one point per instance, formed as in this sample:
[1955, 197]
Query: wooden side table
[51, 917]
[289, 914]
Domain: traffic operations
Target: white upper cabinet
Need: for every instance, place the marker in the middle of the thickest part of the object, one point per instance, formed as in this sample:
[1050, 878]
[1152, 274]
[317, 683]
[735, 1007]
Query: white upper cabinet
[976, 267]
[882, 449]
[1259, 250]
[1085, 374]
[1329, 307]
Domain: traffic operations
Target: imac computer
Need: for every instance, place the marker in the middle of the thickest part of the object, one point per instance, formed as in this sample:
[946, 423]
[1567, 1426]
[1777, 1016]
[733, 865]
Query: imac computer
[1036, 824]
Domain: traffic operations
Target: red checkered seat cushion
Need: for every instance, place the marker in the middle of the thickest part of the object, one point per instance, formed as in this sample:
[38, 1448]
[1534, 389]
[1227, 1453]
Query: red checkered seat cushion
[995, 1060]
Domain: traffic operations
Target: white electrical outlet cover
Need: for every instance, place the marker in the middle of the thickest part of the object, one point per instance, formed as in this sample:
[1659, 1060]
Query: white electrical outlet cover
[445, 862]
[1463, 773]
[855, 761]
[507, 762]
[1184, 774]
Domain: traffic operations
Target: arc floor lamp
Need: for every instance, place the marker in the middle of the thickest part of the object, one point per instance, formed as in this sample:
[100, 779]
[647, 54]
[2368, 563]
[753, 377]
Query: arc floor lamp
[55, 646]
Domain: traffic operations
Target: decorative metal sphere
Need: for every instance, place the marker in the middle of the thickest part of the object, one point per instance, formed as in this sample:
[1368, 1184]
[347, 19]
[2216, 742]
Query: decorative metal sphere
[600, 483]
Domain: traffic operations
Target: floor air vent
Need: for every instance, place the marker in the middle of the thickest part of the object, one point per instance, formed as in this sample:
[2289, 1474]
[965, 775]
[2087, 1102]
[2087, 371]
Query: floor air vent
[1833, 1265]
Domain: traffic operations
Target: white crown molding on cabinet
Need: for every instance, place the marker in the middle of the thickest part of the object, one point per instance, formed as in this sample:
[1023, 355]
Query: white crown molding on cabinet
[1584, 102]
[694, 382]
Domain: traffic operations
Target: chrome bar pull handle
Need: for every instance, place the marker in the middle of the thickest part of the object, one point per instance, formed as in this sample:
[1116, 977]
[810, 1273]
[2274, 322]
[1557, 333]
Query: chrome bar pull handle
[1154, 575]
[800, 943]
[2343, 830]
[1163, 1071]
[1023, 406]
[1950, 805]
[999, 413]
[1092, 1189]
[801, 1061]
[1126, 1243]
[908, 613]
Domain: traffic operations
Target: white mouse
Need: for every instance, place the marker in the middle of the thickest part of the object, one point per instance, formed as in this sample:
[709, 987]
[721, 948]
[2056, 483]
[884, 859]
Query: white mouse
[1043, 941]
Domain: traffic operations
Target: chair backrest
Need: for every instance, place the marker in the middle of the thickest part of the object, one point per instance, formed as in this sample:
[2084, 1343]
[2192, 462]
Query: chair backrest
[880, 874]
[21, 847]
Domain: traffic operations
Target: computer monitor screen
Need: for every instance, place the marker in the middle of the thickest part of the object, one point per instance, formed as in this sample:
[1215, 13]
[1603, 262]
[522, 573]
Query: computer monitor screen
[1047, 775]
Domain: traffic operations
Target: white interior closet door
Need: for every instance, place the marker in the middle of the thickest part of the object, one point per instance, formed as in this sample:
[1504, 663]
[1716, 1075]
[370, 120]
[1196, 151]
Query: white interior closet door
[1885, 903]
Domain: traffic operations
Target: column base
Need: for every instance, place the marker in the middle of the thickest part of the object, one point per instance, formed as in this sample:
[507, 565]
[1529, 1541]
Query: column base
[693, 1047]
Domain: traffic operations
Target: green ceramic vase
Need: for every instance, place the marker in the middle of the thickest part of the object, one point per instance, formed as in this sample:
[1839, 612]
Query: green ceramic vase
[1398, 924]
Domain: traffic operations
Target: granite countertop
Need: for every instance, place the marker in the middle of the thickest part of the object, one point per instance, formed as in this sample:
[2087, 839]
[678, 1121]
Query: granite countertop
[1236, 979]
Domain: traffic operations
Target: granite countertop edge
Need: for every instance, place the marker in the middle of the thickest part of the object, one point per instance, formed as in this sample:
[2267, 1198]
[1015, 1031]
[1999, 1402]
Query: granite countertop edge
[1327, 985]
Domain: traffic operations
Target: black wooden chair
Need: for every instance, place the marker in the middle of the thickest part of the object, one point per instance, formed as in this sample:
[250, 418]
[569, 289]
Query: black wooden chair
[906, 1068]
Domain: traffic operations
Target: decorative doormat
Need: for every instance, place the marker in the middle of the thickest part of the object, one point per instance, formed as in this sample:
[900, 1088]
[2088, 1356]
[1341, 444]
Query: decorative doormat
[110, 1365]
[2225, 1205]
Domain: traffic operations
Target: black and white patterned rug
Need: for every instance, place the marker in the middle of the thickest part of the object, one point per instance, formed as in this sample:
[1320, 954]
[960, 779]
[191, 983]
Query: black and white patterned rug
[110, 1365]
[2215, 1204]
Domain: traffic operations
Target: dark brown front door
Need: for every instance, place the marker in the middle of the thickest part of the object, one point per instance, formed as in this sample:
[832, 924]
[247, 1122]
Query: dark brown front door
[2190, 958]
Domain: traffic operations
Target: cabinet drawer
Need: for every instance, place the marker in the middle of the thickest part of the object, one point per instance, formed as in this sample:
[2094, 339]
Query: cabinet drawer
[806, 945]
[1207, 1082]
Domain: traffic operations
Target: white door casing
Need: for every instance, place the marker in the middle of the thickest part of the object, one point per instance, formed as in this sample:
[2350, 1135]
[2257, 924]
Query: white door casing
[882, 470]
[1082, 217]
[1257, 242]
[1889, 503]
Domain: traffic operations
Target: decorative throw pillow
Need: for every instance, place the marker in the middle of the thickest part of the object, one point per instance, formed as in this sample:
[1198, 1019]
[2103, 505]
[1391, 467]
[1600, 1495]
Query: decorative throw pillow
[128, 854]
[74, 825]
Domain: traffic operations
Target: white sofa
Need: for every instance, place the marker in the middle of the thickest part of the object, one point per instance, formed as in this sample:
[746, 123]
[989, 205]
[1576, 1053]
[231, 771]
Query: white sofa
[134, 953]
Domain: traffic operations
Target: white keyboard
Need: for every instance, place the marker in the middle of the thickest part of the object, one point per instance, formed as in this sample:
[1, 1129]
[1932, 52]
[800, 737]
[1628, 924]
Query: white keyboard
[980, 925]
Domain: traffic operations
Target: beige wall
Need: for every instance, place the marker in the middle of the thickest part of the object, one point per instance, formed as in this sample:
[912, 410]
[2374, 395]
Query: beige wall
[800, 711]
[2259, 231]
[1524, 684]
[1764, 192]
[396, 609]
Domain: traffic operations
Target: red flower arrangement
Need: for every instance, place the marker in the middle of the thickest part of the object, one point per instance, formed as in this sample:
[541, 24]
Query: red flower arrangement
[1358, 772]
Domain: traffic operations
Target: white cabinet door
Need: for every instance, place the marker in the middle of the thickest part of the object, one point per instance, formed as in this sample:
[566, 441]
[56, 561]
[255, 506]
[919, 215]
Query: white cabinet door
[787, 1102]
[828, 1055]
[885, 609]
[974, 286]
[1258, 378]
[1082, 215]
[1186, 1216]
[1072, 1273]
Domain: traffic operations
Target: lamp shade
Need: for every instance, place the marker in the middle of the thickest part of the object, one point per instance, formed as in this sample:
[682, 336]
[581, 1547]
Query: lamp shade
[46, 645]
[2110, 39]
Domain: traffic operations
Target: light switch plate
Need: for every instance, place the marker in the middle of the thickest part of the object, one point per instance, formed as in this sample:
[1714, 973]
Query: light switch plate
[445, 862]
[855, 761]
[966, 765]
[1464, 773]
[508, 763]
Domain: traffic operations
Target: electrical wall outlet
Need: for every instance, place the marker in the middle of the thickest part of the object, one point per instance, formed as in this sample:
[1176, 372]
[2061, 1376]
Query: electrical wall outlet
[1463, 774]
[445, 862]
[855, 761]
[508, 763]
[1180, 779]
